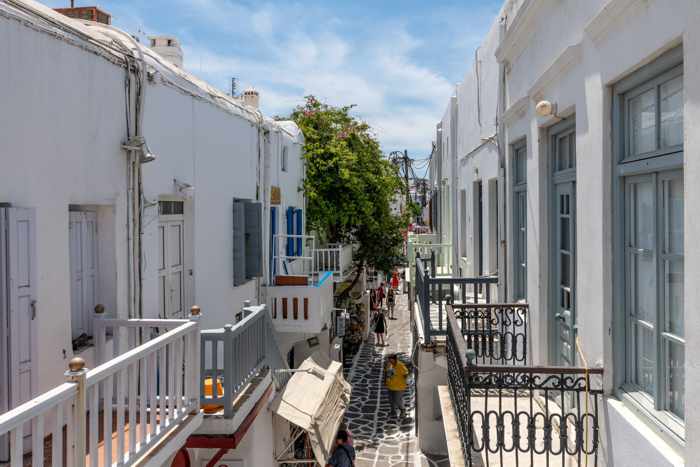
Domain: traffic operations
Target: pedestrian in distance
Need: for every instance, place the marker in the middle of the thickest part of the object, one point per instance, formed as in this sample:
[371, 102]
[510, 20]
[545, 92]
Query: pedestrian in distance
[395, 280]
[396, 373]
[343, 454]
[380, 295]
[390, 302]
[379, 325]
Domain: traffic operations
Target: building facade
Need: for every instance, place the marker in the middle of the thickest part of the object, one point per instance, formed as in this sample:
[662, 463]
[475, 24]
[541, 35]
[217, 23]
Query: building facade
[575, 135]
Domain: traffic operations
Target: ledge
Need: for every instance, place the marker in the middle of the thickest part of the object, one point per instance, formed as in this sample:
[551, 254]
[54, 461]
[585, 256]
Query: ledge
[449, 421]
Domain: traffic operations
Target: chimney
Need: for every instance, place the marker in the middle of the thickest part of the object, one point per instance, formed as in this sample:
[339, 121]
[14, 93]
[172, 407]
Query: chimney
[167, 47]
[89, 13]
[251, 97]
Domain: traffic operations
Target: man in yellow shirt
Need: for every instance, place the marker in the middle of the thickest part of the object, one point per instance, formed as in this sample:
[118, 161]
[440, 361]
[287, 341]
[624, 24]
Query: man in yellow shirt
[396, 373]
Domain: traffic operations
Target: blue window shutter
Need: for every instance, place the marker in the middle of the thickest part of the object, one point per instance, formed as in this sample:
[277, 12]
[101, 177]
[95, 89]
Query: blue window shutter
[273, 240]
[300, 231]
[290, 231]
[253, 239]
[239, 255]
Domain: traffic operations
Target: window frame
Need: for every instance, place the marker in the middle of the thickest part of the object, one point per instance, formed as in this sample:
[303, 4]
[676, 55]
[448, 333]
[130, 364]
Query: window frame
[661, 163]
[519, 187]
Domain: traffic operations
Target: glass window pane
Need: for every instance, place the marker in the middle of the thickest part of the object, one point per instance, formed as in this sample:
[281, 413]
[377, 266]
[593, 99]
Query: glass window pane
[646, 358]
[673, 285]
[672, 112]
[676, 378]
[673, 192]
[642, 121]
[644, 229]
[564, 233]
[563, 153]
[565, 265]
[645, 288]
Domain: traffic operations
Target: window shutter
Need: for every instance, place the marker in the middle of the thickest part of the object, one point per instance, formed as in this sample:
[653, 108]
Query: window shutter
[300, 231]
[253, 239]
[239, 258]
[290, 231]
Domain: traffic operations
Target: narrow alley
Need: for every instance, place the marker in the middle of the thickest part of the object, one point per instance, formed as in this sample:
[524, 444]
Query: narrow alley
[379, 439]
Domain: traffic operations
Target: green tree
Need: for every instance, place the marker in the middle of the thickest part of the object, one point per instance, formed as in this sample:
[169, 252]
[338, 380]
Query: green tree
[350, 186]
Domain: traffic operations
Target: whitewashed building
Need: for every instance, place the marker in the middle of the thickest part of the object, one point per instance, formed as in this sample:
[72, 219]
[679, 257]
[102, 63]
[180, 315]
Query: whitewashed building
[576, 129]
[134, 189]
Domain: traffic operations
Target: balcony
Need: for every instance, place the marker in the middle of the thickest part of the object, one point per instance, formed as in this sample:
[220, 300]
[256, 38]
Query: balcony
[134, 407]
[302, 308]
[433, 293]
[141, 404]
[506, 413]
[297, 255]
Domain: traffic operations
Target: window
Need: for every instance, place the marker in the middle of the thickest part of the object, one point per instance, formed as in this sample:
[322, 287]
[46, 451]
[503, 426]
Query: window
[247, 240]
[519, 169]
[171, 258]
[648, 109]
[284, 159]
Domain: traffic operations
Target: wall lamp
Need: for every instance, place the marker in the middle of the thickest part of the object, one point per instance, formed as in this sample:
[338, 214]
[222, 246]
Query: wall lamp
[138, 145]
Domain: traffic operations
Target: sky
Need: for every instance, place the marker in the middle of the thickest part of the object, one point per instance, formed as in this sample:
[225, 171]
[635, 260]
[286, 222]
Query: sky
[397, 61]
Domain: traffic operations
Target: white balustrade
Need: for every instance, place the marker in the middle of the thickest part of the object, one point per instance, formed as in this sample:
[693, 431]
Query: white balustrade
[149, 389]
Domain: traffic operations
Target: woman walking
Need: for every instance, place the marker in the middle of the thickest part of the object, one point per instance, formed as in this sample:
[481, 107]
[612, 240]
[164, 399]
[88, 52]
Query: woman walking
[379, 321]
[390, 302]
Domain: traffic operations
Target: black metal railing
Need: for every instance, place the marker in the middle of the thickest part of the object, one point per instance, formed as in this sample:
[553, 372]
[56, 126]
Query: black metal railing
[497, 333]
[521, 415]
[440, 291]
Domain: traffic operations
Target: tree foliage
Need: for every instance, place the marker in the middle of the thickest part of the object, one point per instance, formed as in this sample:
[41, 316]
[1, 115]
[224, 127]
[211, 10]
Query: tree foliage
[349, 186]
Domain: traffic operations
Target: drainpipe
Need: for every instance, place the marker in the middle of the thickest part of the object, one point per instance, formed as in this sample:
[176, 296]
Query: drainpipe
[501, 144]
[454, 152]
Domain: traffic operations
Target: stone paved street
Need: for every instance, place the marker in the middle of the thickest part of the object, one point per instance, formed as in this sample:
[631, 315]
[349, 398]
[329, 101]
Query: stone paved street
[379, 439]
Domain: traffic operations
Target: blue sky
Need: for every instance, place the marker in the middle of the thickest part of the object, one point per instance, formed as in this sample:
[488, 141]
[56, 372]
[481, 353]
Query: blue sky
[397, 61]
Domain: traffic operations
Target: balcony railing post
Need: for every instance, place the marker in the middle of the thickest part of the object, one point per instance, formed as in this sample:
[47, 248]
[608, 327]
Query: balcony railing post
[77, 374]
[229, 376]
[194, 380]
[99, 330]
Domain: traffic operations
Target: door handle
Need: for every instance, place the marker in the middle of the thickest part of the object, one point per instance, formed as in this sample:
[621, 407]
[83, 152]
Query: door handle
[32, 304]
[644, 251]
[560, 317]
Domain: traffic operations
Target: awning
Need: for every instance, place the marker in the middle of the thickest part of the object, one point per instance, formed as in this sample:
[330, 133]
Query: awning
[315, 401]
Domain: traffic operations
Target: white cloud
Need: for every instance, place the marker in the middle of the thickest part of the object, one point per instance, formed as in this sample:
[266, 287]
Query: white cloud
[291, 51]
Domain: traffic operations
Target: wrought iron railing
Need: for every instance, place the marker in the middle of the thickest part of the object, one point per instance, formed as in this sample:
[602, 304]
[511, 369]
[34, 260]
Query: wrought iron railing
[521, 415]
[440, 291]
[496, 333]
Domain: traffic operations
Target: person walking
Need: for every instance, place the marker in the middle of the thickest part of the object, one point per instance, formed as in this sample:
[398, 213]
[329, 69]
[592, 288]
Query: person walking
[390, 302]
[380, 295]
[379, 323]
[396, 373]
[343, 454]
[395, 280]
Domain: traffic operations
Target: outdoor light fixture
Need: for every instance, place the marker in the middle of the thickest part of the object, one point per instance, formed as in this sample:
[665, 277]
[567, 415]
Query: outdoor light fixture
[546, 109]
[138, 144]
[183, 187]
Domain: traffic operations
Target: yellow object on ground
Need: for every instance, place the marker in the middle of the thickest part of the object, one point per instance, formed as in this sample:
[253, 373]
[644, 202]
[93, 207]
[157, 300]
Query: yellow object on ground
[212, 408]
[397, 381]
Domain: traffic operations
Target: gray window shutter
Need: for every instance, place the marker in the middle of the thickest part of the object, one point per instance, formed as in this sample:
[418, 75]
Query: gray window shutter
[239, 256]
[253, 239]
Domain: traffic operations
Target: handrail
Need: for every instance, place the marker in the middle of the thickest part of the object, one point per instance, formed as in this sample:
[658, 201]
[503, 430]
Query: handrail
[232, 356]
[137, 398]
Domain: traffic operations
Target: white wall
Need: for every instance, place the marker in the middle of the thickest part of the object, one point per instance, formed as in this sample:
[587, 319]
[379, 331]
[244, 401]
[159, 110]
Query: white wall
[571, 56]
[217, 153]
[61, 130]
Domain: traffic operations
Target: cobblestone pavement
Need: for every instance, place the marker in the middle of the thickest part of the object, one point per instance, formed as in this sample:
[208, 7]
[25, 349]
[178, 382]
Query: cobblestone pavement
[379, 439]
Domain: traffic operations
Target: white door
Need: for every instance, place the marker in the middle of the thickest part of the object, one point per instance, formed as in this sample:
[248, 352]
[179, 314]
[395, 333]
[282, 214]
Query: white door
[17, 309]
[83, 271]
[171, 266]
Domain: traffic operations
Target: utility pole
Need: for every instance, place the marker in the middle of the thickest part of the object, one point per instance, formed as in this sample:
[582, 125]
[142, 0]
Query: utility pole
[405, 176]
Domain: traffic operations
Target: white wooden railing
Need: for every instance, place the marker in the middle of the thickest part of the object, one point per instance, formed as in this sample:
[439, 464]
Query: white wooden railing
[137, 397]
[309, 260]
[335, 258]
